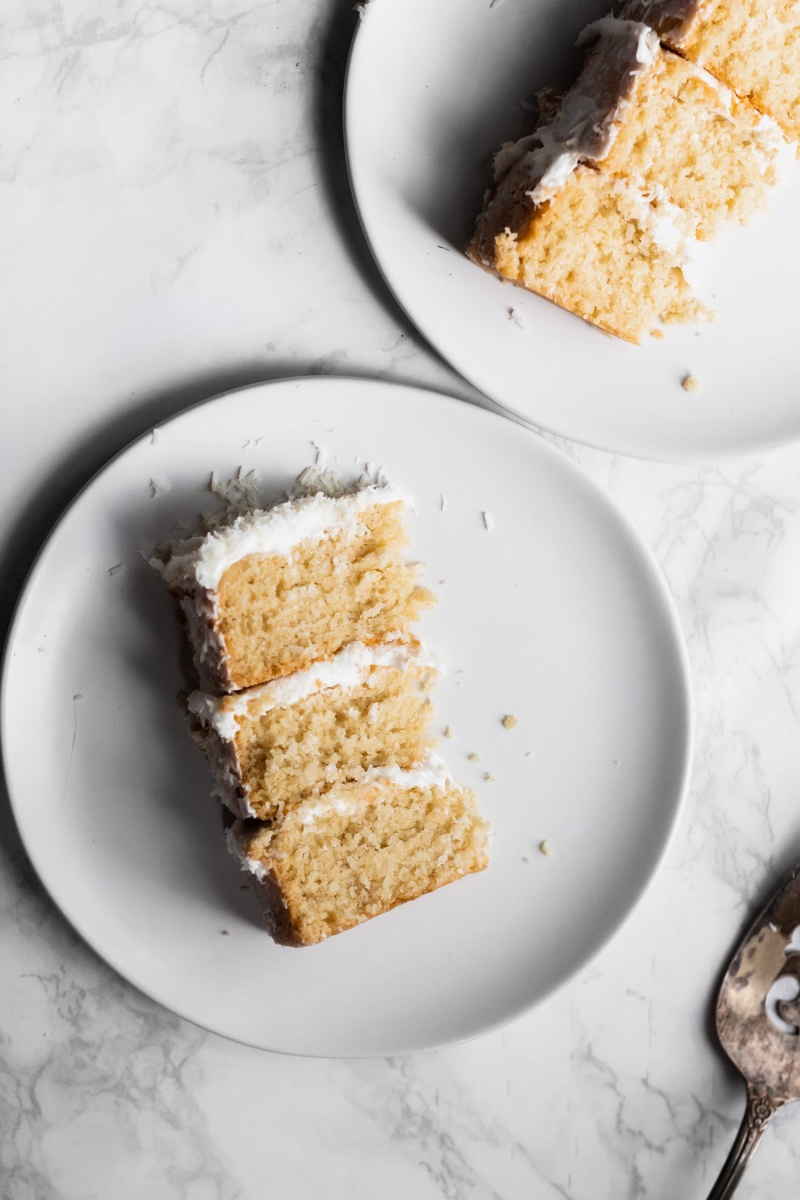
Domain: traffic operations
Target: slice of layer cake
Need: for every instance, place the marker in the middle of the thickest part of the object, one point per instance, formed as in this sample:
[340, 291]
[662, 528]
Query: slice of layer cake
[360, 850]
[276, 590]
[642, 113]
[272, 746]
[593, 244]
[676, 152]
[751, 45]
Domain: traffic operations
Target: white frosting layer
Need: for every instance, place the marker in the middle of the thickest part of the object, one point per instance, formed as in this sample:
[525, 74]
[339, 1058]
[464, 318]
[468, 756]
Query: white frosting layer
[669, 226]
[201, 562]
[583, 129]
[233, 840]
[780, 151]
[646, 39]
[432, 773]
[349, 668]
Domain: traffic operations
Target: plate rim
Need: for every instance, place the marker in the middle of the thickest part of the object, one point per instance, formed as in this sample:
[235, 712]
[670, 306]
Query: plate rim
[690, 455]
[479, 414]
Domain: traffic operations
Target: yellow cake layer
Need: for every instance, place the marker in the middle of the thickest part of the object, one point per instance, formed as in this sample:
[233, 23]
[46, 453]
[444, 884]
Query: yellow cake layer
[598, 247]
[330, 865]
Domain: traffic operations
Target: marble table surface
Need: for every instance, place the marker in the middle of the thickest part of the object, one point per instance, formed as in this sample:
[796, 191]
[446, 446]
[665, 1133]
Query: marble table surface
[176, 221]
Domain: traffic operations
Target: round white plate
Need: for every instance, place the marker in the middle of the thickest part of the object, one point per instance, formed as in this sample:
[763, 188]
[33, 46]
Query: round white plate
[558, 615]
[433, 90]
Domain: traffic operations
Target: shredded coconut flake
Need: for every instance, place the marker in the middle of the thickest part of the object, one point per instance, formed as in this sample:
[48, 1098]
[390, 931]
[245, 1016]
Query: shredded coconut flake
[489, 777]
[158, 485]
[545, 848]
[474, 757]
[155, 434]
[240, 492]
[321, 460]
[519, 319]
[115, 570]
[488, 521]
[442, 502]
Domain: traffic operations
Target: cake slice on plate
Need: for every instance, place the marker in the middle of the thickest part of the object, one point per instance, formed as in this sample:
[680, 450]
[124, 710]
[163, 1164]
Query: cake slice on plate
[360, 850]
[273, 746]
[601, 208]
[595, 245]
[276, 590]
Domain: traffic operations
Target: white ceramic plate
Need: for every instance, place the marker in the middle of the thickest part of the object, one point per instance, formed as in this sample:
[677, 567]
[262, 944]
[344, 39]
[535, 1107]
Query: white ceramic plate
[558, 616]
[433, 90]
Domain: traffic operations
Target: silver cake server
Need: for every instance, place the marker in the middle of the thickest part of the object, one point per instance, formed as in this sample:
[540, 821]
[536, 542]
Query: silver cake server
[758, 1022]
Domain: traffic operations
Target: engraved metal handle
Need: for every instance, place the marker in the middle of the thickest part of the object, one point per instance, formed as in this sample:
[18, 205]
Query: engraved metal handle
[761, 1108]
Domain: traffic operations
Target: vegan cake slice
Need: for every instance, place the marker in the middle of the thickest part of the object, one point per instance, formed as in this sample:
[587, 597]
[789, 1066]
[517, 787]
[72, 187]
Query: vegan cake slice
[276, 590]
[360, 850]
[273, 746]
[600, 209]
[596, 245]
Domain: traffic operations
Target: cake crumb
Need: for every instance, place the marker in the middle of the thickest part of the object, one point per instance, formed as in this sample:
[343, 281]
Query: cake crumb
[474, 757]
[545, 848]
[79, 696]
[489, 777]
[155, 434]
[488, 521]
[509, 722]
[657, 333]
[442, 502]
[158, 485]
[115, 570]
[442, 581]
[690, 383]
[448, 731]
[225, 932]
[524, 859]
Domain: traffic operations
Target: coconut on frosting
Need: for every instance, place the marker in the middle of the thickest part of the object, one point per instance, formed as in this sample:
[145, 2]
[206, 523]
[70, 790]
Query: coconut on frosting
[201, 562]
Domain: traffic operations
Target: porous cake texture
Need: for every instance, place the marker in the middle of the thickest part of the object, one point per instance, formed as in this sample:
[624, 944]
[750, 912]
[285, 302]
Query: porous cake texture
[276, 590]
[597, 246]
[360, 850]
[751, 45]
[600, 209]
[273, 746]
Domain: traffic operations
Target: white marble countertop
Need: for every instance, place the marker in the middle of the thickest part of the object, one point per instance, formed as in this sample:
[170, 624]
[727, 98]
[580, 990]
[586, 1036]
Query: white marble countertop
[176, 222]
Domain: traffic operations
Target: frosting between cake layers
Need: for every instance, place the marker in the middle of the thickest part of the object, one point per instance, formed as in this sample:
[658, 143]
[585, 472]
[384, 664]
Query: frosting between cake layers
[433, 772]
[669, 226]
[201, 562]
[349, 668]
